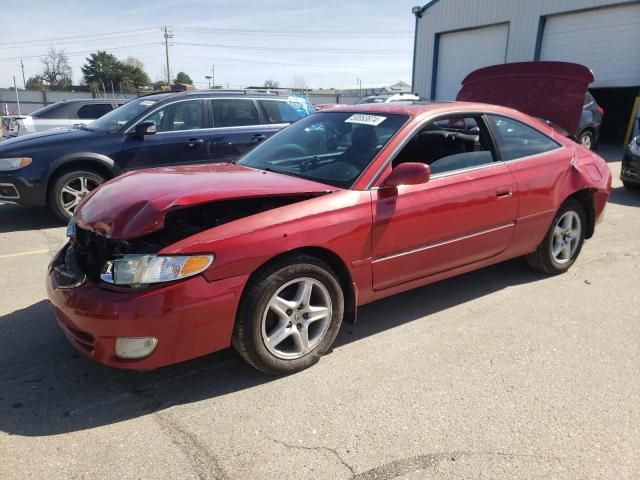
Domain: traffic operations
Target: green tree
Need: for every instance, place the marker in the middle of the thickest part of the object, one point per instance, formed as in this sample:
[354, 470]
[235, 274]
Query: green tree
[57, 71]
[182, 77]
[35, 83]
[105, 71]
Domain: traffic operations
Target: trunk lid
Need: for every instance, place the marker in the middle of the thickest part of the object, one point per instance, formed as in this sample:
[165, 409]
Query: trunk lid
[135, 204]
[553, 91]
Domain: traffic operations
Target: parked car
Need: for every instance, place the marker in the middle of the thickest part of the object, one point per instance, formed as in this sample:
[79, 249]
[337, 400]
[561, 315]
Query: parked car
[588, 132]
[63, 114]
[344, 207]
[630, 171]
[59, 167]
[389, 98]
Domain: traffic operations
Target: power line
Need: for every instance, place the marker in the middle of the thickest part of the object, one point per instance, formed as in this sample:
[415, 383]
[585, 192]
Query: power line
[85, 52]
[83, 41]
[288, 49]
[55, 39]
[305, 33]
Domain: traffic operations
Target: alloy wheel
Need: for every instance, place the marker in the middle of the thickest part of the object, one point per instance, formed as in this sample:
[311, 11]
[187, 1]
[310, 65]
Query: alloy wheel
[74, 190]
[566, 237]
[296, 318]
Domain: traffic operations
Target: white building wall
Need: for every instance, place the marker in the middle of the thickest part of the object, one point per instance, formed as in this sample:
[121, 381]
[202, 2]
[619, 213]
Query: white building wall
[523, 15]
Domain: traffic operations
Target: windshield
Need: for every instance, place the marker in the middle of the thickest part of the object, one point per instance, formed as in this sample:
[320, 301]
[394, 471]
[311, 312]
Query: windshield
[115, 119]
[327, 147]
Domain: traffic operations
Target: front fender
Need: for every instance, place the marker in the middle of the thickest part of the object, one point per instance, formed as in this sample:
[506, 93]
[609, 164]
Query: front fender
[97, 158]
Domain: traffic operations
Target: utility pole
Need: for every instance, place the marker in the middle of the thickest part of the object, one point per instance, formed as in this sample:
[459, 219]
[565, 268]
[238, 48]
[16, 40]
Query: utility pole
[167, 35]
[24, 83]
[213, 76]
[17, 97]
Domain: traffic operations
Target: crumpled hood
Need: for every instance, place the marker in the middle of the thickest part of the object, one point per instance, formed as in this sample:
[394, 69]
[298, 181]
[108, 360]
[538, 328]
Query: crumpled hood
[135, 204]
[552, 91]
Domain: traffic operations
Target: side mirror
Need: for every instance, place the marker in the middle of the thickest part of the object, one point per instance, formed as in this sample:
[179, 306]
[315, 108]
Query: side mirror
[144, 128]
[411, 173]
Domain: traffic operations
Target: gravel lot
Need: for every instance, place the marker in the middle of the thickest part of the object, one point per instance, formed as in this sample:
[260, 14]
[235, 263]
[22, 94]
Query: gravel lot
[501, 373]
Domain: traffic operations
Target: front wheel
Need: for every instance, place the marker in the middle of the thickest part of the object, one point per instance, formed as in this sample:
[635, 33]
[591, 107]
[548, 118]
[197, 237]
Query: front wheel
[289, 315]
[563, 241]
[68, 189]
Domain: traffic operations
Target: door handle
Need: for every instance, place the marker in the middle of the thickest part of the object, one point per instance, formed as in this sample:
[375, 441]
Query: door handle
[194, 142]
[503, 193]
[258, 137]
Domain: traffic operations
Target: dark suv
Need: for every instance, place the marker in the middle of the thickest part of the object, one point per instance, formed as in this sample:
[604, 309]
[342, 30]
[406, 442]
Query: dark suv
[590, 121]
[59, 167]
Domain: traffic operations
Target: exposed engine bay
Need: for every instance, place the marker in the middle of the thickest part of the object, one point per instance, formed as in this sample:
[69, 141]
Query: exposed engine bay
[92, 250]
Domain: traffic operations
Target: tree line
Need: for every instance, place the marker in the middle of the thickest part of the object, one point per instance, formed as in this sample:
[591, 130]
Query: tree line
[101, 72]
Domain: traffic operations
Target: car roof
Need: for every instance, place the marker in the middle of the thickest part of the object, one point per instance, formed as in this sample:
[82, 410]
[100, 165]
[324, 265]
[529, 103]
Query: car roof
[226, 93]
[93, 100]
[415, 108]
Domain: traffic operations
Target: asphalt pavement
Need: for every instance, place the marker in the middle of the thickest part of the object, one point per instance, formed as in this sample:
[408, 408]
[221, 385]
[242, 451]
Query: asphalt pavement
[501, 373]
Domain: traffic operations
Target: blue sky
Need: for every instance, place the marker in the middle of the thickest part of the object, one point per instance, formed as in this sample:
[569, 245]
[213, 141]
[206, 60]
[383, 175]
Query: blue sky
[342, 41]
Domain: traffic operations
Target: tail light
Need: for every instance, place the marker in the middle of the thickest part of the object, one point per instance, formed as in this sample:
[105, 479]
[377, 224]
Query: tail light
[601, 110]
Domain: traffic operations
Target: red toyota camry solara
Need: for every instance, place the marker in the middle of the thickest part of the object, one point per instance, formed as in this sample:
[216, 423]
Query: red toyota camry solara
[344, 207]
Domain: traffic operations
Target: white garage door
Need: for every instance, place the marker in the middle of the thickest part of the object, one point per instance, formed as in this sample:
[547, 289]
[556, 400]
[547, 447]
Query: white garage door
[460, 53]
[606, 40]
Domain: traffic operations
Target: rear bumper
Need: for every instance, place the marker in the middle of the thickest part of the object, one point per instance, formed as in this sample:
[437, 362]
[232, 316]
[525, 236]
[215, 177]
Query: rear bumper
[190, 318]
[630, 168]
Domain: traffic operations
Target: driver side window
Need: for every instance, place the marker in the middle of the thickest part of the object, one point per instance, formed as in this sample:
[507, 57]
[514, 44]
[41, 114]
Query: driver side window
[187, 115]
[449, 144]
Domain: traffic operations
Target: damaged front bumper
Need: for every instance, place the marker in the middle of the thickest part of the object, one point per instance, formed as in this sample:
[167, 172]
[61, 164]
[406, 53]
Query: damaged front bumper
[189, 318]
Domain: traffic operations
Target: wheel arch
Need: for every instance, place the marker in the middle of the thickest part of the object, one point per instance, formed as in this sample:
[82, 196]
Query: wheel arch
[92, 161]
[585, 198]
[334, 261]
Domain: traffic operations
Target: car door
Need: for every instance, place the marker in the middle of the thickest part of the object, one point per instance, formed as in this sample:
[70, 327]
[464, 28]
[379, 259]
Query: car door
[465, 213]
[238, 126]
[539, 165]
[182, 131]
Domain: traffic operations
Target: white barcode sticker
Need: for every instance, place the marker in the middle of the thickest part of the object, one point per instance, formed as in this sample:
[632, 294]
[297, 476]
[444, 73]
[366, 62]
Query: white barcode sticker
[364, 119]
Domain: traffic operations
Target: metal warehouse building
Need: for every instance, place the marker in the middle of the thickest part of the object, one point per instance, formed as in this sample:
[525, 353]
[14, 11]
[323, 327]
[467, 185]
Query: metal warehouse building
[455, 37]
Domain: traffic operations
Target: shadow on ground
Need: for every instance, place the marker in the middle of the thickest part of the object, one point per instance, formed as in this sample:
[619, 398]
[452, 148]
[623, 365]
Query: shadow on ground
[625, 196]
[46, 388]
[14, 218]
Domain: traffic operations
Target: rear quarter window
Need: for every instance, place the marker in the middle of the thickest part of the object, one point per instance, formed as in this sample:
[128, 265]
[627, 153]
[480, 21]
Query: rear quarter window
[517, 140]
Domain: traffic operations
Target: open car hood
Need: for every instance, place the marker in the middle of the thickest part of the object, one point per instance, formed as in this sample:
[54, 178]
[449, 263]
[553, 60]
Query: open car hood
[552, 91]
[135, 204]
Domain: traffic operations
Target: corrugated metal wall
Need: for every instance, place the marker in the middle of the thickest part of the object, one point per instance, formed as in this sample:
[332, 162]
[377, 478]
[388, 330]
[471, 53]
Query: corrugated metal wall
[523, 16]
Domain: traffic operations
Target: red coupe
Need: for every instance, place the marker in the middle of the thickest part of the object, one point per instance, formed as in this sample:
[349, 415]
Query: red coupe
[344, 207]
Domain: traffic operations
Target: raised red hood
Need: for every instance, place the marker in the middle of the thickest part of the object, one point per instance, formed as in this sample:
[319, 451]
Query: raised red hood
[550, 90]
[135, 204]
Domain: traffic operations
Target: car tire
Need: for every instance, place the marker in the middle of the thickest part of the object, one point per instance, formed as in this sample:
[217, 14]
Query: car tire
[586, 139]
[66, 191]
[630, 185]
[273, 319]
[563, 242]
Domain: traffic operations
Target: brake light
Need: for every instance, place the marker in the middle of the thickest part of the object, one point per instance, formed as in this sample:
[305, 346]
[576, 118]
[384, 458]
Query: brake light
[601, 110]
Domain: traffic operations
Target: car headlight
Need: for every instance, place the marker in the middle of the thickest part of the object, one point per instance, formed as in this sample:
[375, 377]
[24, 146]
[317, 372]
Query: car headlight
[136, 270]
[634, 146]
[15, 163]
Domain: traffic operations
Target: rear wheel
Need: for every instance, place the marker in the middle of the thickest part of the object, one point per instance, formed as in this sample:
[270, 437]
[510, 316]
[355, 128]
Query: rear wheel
[631, 185]
[68, 189]
[289, 315]
[586, 139]
[563, 241]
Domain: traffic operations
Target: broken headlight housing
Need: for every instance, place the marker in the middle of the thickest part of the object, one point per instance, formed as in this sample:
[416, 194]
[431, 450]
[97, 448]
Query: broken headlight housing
[136, 270]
